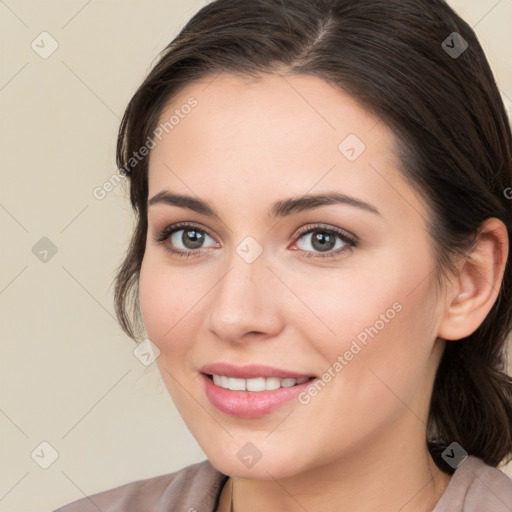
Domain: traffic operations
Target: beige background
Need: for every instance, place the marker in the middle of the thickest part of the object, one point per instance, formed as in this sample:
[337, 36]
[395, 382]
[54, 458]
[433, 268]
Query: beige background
[68, 375]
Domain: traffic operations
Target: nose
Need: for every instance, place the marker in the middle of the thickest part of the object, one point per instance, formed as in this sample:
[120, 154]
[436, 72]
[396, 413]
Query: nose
[247, 301]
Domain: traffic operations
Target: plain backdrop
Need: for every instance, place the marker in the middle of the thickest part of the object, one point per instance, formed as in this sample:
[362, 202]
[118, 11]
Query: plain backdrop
[73, 396]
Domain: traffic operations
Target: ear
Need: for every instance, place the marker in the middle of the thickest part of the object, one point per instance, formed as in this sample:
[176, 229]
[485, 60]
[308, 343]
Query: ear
[473, 292]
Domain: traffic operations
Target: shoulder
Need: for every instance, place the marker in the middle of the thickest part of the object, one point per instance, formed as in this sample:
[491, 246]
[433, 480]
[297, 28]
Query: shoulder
[475, 486]
[193, 488]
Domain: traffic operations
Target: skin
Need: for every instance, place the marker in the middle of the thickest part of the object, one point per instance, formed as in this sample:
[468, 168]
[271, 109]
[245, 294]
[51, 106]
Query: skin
[359, 445]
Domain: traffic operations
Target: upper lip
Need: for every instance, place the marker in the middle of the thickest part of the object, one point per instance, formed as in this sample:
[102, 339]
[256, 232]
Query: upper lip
[250, 371]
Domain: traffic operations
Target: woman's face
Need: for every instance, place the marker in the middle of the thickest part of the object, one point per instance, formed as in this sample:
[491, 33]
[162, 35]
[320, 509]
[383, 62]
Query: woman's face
[275, 285]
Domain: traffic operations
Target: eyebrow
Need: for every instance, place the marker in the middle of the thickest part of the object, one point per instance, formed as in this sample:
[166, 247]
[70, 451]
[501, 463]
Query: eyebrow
[280, 208]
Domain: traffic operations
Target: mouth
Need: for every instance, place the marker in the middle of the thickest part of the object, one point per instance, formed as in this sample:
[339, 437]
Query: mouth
[252, 391]
[256, 384]
[253, 397]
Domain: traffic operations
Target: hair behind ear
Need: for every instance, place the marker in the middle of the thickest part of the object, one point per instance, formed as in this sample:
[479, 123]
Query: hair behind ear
[473, 402]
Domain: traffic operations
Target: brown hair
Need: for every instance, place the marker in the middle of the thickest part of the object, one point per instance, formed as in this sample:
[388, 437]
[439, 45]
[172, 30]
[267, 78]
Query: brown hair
[396, 58]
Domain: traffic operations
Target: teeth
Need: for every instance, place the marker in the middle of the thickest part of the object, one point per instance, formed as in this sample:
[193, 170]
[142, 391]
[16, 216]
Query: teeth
[257, 384]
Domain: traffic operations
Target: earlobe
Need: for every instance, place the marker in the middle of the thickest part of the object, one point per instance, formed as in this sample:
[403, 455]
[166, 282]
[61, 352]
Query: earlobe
[476, 288]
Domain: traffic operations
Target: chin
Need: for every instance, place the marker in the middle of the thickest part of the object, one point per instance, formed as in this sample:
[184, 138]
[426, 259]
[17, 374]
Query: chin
[266, 468]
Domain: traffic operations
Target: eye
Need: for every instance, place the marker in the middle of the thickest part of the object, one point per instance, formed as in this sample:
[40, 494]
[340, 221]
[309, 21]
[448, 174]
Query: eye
[324, 239]
[191, 239]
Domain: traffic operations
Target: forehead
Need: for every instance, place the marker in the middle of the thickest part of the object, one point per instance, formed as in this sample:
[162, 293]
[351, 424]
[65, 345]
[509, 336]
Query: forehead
[261, 140]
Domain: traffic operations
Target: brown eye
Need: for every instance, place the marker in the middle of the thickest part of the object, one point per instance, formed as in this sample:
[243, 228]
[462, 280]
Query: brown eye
[191, 238]
[323, 242]
[183, 239]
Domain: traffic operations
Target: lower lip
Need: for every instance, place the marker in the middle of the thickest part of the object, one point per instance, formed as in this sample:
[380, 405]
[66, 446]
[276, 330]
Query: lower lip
[250, 404]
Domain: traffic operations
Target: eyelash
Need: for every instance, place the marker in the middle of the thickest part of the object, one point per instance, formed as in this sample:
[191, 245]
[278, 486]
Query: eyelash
[165, 233]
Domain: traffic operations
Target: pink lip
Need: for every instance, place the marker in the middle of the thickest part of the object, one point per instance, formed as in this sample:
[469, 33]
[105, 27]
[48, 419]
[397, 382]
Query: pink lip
[250, 371]
[249, 404]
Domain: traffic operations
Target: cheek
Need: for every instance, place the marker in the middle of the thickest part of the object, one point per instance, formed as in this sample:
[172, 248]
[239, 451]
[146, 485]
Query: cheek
[377, 315]
[169, 302]
[151, 286]
[338, 306]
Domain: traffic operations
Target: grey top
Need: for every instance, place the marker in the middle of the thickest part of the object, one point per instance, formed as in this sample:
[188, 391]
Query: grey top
[474, 487]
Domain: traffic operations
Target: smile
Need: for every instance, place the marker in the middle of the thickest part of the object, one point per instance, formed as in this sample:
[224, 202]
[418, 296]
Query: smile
[252, 401]
[257, 384]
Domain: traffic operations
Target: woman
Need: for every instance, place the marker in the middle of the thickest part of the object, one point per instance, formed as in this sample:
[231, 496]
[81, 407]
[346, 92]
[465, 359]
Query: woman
[321, 259]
